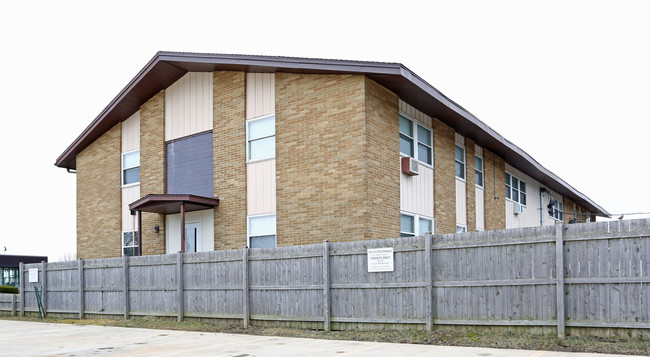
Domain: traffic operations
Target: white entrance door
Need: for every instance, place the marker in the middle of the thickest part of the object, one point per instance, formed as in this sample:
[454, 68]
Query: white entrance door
[192, 237]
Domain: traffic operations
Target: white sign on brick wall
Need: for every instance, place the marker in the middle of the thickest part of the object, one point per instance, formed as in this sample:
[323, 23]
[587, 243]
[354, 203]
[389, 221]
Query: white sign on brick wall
[380, 259]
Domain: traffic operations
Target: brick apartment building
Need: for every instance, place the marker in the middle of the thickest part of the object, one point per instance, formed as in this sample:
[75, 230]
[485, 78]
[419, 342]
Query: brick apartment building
[273, 151]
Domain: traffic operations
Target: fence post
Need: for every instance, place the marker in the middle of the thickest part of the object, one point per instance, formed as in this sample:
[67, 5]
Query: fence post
[245, 289]
[326, 285]
[13, 304]
[559, 274]
[21, 281]
[429, 277]
[44, 288]
[82, 295]
[179, 274]
[125, 270]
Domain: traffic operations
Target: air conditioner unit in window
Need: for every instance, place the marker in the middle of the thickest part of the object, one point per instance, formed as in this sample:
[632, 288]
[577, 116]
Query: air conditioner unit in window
[517, 208]
[410, 166]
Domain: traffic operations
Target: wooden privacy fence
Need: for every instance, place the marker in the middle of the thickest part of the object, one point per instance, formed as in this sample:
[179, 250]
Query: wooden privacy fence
[493, 278]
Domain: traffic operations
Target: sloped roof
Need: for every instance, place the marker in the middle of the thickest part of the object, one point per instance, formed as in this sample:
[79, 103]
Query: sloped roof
[165, 68]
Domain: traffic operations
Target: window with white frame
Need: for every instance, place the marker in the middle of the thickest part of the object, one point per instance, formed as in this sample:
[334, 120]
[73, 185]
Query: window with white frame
[260, 134]
[414, 225]
[478, 171]
[515, 189]
[460, 162]
[558, 211]
[461, 229]
[131, 167]
[129, 243]
[411, 133]
[261, 231]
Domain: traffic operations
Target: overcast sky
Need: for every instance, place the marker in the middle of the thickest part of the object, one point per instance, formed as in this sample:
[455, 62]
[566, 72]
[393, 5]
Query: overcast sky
[566, 81]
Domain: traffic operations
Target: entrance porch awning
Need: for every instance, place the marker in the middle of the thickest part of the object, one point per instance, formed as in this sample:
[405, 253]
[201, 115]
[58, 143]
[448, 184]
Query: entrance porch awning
[172, 203]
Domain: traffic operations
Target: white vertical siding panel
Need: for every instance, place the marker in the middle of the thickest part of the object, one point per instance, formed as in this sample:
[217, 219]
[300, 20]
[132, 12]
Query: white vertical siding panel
[205, 219]
[188, 105]
[411, 112]
[260, 94]
[261, 185]
[531, 215]
[512, 220]
[416, 192]
[193, 102]
[129, 195]
[131, 133]
[461, 202]
[480, 210]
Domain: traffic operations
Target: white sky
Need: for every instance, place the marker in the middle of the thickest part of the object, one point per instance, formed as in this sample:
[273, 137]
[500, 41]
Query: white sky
[566, 81]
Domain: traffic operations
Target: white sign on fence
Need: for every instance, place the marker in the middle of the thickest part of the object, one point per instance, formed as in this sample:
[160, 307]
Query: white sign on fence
[380, 259]
[33, 275]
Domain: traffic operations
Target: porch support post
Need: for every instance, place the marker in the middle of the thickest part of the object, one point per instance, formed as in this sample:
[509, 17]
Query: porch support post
[183, 227]
[139, 232]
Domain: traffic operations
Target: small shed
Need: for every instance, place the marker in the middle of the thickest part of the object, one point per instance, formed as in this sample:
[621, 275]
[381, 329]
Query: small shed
[9, 265]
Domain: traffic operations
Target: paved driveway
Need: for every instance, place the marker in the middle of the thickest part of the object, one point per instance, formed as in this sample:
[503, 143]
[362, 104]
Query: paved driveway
[20, 338]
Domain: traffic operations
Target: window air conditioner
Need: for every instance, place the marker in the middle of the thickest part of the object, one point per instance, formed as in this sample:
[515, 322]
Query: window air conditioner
[517, 208]
[409, 166]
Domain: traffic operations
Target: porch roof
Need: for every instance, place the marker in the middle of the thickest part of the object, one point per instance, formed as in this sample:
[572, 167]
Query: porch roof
[171, 203]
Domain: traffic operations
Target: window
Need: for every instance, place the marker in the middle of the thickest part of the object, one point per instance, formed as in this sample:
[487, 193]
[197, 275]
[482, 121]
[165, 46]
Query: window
[425, 226]
[131, 168]
[190, 165]
[410, 133]
[9, 276]
[461, 229]
[478, 171]
[129, 245]
[515, 189]
[558, 211]
[412, 225]
[261, 138]
[261, 231]
[460, 162]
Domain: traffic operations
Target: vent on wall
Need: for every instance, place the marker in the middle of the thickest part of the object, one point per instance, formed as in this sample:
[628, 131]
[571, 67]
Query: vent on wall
[410, 166]
[517, 208]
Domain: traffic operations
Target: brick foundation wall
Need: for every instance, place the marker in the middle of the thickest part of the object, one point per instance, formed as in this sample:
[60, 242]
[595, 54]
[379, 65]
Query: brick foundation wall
[382, 160]
[444, 177]
[320, 168]
[470, 185]
[494, 168]
[99, 215]
[152, 170]
[229, 145]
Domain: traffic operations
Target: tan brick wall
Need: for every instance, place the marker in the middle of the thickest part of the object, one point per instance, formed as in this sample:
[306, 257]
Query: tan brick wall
[99, 216]
[471, 185]
[570, 210]
[152, 169]
[382, 160]
[494, 200]
[320, 167]
[444, 177]
[229, 147]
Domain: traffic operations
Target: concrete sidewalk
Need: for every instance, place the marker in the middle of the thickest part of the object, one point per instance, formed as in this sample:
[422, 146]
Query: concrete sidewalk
[19, 338]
